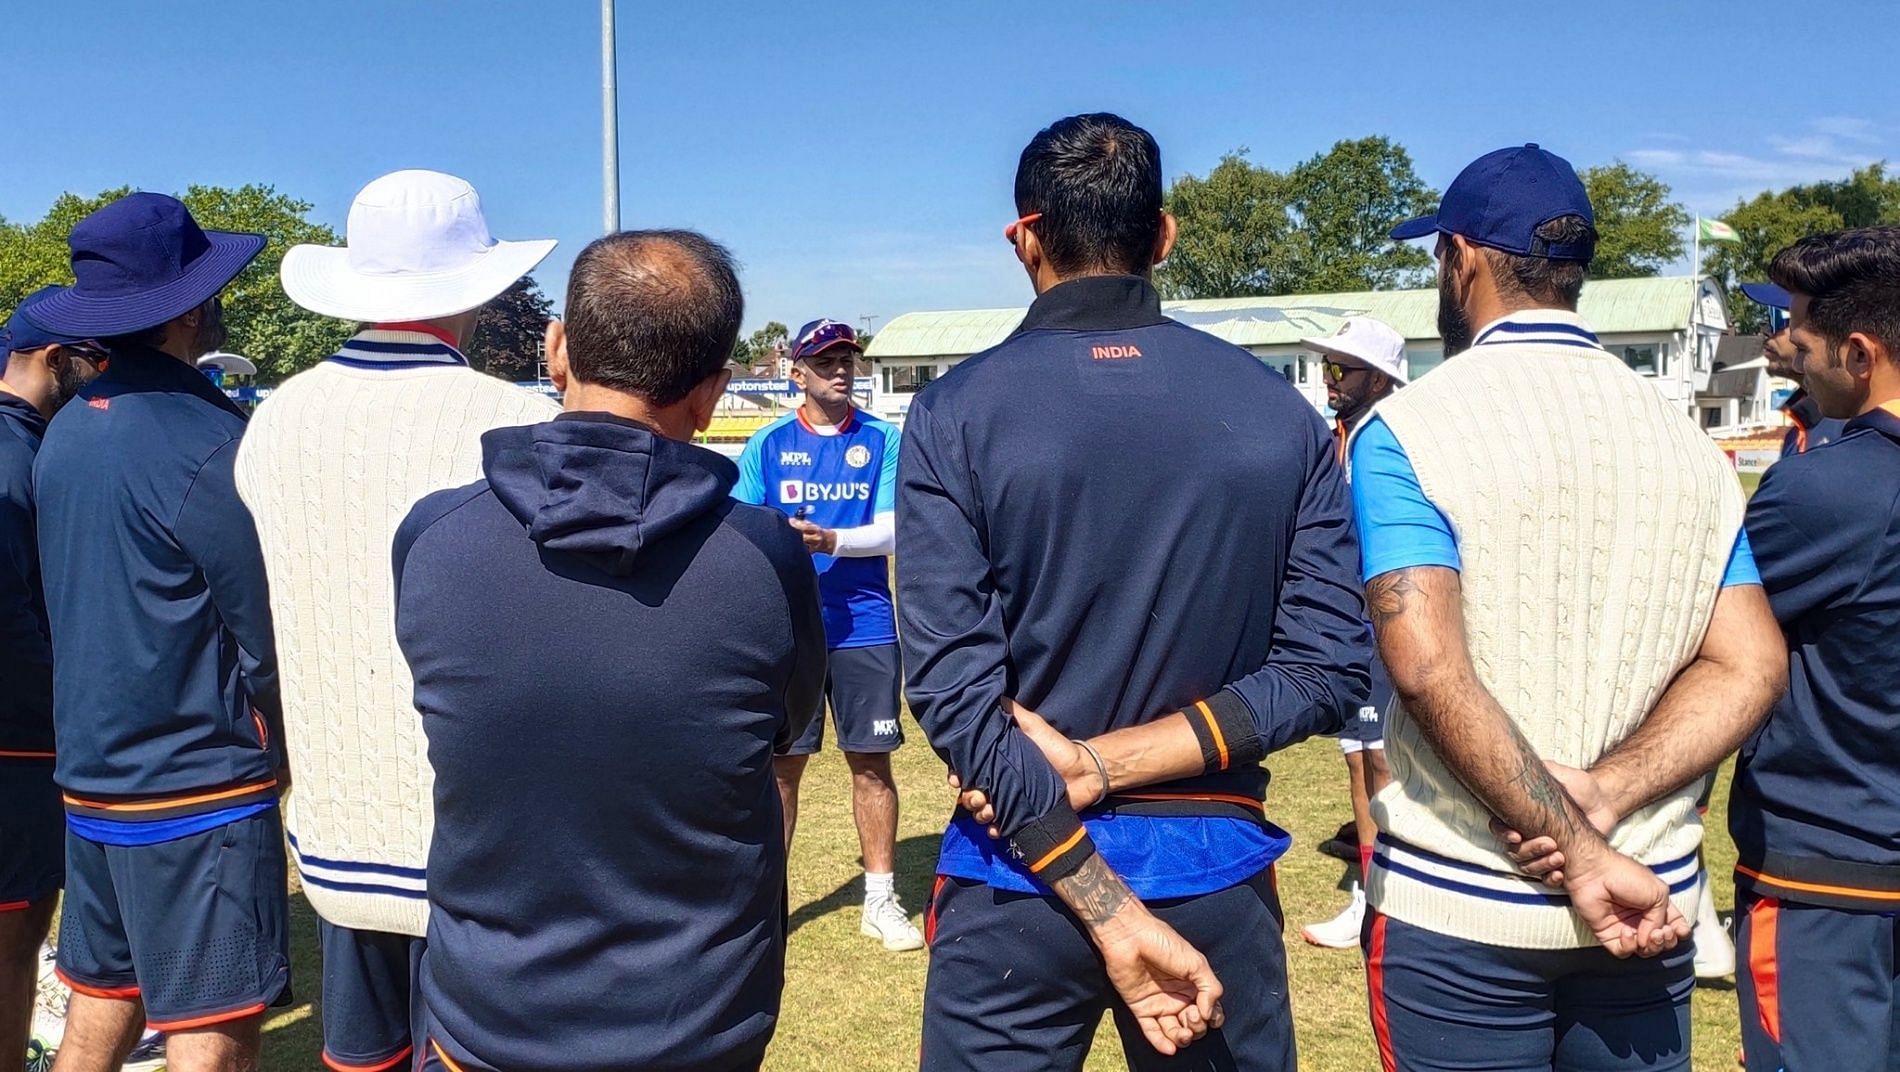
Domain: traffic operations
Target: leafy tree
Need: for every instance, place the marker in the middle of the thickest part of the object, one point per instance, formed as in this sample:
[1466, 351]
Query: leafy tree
[1345, 202]
[768, 338]
[1767, 223]
[1233, 232]
[265, 325]
[1323, 226]
[1639, 229]
[509, 334]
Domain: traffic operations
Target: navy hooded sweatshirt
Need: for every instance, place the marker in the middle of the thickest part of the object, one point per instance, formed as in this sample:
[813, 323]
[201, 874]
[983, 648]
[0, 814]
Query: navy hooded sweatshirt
[1815, 811]
[607, 651]
[164, 666]
[1111, 517]
[26, 654]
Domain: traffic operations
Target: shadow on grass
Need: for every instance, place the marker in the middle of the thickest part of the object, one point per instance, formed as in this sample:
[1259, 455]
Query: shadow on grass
[293, 1036]
[916, 870]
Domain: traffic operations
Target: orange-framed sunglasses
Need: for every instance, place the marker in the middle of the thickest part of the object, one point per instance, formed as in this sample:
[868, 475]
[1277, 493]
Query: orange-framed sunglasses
[1014, 229]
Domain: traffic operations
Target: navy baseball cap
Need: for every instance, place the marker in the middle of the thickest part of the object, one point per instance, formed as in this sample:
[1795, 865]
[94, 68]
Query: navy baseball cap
[21, 333]
[821, 335]
[1768, 294]
[1501, 200]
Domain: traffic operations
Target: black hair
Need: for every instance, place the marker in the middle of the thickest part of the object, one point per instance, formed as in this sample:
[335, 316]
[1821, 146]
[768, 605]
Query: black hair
[1556, 284]
[1851, 280]
[652, 313]
[1096, 179]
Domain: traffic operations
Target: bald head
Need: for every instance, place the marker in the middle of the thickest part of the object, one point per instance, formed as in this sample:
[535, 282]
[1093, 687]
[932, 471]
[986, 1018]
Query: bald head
[652, 313]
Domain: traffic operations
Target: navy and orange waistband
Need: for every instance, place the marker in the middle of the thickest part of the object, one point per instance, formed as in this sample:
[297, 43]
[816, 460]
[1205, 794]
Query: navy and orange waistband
[1820, 881]
[158, 808]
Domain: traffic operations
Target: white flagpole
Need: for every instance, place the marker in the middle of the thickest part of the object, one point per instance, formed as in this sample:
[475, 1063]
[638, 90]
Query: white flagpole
[609, 123]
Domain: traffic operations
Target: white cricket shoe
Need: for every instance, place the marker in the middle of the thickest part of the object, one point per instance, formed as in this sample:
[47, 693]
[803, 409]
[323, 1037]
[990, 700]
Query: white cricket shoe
[1341, 931]
[1714, 949]
[886, 920]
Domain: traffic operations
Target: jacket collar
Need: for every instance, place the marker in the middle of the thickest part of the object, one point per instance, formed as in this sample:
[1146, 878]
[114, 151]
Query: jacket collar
[20, 411]
[1804, 411]
[1095, 303]
[1884, 419]
[399, 346]
[1558, 327]
[144, 367]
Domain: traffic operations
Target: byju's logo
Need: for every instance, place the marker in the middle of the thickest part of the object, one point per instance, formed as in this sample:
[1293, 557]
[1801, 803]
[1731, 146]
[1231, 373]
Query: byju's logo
[794, 457]
[791, 491]
[805, 491]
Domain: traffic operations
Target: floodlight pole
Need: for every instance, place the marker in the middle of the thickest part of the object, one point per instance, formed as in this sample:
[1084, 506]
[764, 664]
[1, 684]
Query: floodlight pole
[609, 123]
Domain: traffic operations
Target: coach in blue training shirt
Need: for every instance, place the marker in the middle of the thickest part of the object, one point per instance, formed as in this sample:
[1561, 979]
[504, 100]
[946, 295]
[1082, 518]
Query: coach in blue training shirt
[833, 468]
[1143, 533]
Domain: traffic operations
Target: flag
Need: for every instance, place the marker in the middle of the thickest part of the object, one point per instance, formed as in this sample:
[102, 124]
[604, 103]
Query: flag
[1717, 231]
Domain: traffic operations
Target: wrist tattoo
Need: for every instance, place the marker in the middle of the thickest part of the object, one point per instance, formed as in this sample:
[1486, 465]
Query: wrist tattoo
[1095, 893]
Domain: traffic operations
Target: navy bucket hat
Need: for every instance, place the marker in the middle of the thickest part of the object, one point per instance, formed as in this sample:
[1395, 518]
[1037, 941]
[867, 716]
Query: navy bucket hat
[1501, 200]
[139, 262]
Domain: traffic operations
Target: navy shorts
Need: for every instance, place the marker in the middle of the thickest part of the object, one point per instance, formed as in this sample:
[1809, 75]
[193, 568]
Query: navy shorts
[1818, 987]
[1015, 985]
[1443, 1004]
[369, 978]
[1366, 729]
[196, 927]
[32, 833]
[863, 688]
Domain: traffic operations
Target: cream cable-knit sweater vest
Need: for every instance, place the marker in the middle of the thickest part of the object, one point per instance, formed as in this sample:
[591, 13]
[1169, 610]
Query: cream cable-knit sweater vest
[1594, 525]
[329, 466]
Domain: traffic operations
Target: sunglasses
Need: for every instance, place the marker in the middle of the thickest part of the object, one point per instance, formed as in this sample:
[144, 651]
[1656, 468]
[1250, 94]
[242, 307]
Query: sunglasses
[820, 336]
[1336, 372]
[1014, 229]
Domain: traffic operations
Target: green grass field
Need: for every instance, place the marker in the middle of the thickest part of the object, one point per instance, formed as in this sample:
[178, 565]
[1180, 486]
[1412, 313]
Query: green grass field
[849, 1005]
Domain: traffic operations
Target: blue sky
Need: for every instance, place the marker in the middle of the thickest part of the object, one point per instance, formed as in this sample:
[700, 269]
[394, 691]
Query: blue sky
[858, 157]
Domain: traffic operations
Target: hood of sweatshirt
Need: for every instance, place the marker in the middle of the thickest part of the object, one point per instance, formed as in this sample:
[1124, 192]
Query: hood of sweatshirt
[602, 486]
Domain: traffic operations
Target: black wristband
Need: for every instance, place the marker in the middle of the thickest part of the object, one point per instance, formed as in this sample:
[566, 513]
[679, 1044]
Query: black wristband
[1223, 723]
[1054, 845]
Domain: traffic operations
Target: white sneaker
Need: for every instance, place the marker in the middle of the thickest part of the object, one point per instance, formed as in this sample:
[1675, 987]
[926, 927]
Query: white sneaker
[1714, 950]
[886, 920]
[1341, 931]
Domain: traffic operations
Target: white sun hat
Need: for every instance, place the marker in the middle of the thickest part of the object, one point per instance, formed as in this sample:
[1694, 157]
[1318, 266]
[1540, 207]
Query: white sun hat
[418, 248]
[1362, 342]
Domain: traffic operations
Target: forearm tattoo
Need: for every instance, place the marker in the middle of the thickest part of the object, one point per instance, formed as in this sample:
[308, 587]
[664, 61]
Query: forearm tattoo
[1095, 893]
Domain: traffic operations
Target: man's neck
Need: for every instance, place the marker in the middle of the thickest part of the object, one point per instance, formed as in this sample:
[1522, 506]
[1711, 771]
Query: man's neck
[673, 422]
[830, 415]
[1047, 280]
[17, 382]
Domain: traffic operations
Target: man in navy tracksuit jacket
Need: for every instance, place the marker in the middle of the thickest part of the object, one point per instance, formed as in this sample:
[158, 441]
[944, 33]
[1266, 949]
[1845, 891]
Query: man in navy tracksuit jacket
[1143, 534]
[607, 651]
[39, 372]
[1815, 810]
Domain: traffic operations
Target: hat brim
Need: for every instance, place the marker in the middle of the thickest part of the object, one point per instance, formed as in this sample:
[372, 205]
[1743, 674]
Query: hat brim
[322, 280]
[832, 345]
[1350, 358]
[1418, 227]
[1769, 294]
[74, 313]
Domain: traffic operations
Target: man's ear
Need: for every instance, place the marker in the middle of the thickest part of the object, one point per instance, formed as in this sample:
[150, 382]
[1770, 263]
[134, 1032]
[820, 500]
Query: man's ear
[556, 344]
[1164, 239]
[1862, 352]
[1029, 251]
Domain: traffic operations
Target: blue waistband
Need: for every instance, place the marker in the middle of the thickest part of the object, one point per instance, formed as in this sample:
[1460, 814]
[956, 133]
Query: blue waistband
[119, 832]
[1159, 856]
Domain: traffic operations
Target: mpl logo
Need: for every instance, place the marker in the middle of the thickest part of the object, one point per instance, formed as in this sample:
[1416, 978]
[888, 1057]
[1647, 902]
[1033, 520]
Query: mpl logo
[791, 491]
[794, 457]
[883, 727]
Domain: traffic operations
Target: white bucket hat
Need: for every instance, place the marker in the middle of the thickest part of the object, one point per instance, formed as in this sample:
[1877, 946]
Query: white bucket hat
[1362, 342]
[417, 248]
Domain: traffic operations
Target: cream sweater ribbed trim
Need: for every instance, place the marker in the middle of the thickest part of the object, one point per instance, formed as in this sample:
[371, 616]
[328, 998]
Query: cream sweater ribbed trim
[331, 463]
[1594, 524]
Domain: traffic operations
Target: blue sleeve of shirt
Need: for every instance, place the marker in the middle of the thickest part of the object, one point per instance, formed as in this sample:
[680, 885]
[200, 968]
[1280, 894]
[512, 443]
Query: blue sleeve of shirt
[1741, 563]
[751, 485]
[1399, 527]
[886, 500]
[215, 528]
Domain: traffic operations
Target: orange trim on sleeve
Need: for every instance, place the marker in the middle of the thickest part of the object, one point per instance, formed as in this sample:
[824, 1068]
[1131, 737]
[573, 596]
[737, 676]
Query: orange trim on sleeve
[108, 993]
[442, 1055]
[15, 906]
[5, 754]
[263, 735]
[1213, 726]
[1762, 968]
[391, 1063]
[171, 802]
[1056, 852]
[1815, 887]
[206, 1021]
